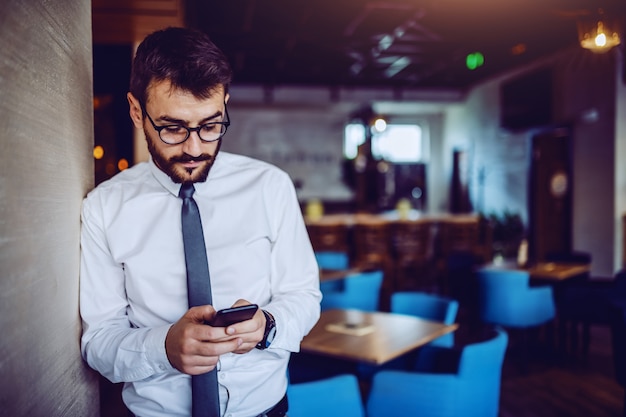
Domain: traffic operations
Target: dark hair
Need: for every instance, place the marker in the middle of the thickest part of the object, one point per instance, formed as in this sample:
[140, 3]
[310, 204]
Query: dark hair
[187, 58]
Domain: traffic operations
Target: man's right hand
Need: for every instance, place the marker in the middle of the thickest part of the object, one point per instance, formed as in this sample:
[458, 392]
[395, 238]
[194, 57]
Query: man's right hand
[192, 347]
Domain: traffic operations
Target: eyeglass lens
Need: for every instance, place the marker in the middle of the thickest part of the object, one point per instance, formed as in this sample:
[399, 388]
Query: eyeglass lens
[176, 133]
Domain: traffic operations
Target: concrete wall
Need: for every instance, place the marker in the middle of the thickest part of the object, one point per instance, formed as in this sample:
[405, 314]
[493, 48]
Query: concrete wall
[46, 167]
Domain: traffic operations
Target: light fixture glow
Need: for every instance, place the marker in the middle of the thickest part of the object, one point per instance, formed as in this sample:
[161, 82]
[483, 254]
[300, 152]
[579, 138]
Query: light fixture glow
[380, 125]
[599, 36]
[98, 152]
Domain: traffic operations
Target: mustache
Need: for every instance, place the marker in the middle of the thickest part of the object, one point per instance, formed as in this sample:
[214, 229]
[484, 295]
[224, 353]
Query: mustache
[188, 158]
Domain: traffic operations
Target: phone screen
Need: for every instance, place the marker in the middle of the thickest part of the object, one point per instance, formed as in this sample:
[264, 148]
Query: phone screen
[228, 316]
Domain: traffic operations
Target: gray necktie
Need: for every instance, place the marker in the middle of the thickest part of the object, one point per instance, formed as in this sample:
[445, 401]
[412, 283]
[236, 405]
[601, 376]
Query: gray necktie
[204, 389]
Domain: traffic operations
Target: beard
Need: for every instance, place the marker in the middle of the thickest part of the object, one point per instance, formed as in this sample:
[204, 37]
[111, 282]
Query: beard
[178, 173]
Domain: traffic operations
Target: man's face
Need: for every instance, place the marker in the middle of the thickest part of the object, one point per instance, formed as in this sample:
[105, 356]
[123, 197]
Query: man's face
[191, 160]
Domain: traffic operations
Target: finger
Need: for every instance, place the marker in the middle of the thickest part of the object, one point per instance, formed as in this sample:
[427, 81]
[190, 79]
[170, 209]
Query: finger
[217, 348]
[196, 365]
[245, 347]
[241, 302]
[254, 325]
[244, 327]
[200, 314]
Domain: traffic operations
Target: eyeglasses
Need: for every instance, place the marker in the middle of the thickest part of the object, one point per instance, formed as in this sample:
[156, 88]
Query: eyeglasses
[177, 134]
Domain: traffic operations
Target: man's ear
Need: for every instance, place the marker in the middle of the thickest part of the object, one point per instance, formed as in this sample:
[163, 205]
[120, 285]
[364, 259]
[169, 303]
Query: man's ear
[136, 114]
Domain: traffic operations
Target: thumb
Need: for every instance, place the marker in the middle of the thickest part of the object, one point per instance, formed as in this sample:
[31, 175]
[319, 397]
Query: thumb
[200, 314]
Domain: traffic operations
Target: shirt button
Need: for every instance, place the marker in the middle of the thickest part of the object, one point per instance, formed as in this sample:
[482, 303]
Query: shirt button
[223, 376]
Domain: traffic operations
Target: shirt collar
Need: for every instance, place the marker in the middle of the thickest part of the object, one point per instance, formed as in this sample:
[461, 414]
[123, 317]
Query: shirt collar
[170, 185]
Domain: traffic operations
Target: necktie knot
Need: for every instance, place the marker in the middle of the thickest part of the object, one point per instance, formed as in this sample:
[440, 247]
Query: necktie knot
[186, 190]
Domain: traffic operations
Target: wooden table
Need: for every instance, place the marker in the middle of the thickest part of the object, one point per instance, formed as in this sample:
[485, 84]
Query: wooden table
[351, 219]
[553, 271]
[546, 271]
[335, 274]
[387, 335]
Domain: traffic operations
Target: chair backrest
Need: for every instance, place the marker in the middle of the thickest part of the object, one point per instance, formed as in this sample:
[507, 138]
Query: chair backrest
[484, 356]
[506, 298]
[427, 306]
[361, 291]
[338, 396]
[332, 259]
[474, 391]
[480, 368]
[424, 305]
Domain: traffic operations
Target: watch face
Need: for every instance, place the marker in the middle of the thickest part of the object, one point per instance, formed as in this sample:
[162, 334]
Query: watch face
[270, 336]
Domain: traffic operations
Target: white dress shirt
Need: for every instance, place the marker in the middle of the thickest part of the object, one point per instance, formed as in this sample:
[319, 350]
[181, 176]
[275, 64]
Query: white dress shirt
[133, 280]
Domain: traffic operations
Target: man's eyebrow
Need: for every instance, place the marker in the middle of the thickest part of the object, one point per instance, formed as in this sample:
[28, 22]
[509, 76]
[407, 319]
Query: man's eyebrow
[173, 120]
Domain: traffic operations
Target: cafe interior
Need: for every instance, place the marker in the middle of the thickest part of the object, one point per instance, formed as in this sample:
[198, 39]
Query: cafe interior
[460, 171]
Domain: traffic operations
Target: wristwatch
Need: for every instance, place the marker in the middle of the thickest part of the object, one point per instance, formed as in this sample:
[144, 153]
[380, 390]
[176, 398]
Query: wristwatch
[270, 331]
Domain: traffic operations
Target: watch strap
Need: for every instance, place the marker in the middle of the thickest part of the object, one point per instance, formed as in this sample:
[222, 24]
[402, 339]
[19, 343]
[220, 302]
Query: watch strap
[270, 326]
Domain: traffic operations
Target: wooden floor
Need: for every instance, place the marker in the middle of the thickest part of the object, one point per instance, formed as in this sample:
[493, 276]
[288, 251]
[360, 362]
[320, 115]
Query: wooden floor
[563, 385]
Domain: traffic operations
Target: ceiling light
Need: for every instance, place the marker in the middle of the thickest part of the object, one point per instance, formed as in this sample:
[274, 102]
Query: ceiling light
[599, 35]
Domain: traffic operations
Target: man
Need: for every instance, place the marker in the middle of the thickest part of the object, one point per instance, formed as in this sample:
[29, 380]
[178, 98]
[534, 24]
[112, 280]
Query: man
[137, 327]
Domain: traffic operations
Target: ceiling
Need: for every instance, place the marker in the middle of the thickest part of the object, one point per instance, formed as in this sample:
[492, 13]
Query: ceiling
[366, 43]
[388, 43]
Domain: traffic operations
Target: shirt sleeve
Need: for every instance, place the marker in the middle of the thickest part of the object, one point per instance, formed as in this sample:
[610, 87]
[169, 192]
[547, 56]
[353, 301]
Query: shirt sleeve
[295, 294]
[110, 344]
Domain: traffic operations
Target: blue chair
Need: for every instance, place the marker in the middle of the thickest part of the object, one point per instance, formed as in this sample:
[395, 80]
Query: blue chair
[472, 391]
[429, 307]
[332, 260]
[361, 291]
[507, 299]
[338, 396]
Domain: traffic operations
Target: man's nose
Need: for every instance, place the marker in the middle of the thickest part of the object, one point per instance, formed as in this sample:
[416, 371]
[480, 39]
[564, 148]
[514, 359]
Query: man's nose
[192, 146]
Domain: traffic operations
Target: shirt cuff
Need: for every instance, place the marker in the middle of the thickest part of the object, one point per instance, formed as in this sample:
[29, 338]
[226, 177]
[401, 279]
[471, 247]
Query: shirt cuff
[154, 346]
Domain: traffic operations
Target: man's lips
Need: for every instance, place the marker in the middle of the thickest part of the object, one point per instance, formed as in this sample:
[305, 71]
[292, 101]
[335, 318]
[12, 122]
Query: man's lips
[191, 162]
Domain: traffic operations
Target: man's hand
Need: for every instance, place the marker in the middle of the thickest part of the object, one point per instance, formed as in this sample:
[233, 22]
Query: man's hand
[250, 331]
[194, 347]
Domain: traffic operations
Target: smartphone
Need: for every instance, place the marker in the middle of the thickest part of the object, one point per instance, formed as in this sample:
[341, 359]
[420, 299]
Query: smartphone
[228, 316]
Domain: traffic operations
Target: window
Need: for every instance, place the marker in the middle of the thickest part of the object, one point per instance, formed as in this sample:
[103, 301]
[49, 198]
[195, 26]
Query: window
[398, 143]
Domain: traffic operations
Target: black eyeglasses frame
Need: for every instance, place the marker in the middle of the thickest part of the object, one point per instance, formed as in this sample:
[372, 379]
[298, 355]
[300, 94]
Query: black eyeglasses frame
[225, 123]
